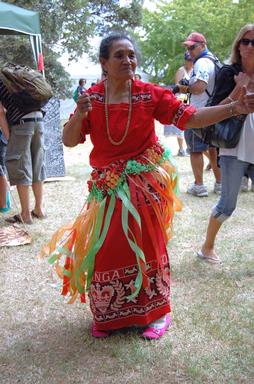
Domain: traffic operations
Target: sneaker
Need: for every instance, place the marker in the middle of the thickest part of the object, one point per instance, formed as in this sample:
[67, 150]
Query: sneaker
[244, 184]
[197, 190]
[181, 152]
[217, 188]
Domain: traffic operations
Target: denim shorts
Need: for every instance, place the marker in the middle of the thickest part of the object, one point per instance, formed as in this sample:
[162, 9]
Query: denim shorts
[232, 171]
[3, 148]
[25, 153]
[193, 142]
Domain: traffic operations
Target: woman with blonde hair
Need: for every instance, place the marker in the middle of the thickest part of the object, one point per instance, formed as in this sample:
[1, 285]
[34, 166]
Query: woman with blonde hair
[234, 162]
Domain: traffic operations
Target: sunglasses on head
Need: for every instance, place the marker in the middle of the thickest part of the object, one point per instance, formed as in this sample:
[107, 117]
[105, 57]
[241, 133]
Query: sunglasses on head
[193, 47]
[247, 42]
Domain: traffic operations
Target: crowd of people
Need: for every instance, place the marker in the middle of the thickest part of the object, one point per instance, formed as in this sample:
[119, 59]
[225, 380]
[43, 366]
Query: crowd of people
[116, 249]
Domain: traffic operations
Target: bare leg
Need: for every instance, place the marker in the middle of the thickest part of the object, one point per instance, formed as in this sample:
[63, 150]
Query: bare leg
[212, 230]
[38, 192]
[3, 191]
[197, 164]
[208, 167]
[213, 161]
[23, 191]
[180, 142]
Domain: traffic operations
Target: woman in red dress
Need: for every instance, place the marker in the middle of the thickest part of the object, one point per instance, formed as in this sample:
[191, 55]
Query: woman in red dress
[116, 248]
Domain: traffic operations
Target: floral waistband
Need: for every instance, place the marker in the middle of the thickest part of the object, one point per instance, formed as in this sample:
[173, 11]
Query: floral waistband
[108, 180]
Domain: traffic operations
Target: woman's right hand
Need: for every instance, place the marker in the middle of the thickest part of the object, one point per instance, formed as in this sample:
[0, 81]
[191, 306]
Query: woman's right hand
[242, 79]
[84, 104]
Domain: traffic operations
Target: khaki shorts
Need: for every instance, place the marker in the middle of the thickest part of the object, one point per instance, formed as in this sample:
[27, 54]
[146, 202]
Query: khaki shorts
[25, 153]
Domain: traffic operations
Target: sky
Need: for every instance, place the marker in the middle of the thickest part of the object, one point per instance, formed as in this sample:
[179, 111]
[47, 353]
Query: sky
[84, 67]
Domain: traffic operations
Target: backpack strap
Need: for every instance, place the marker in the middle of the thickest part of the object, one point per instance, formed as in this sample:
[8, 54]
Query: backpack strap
[215, 60]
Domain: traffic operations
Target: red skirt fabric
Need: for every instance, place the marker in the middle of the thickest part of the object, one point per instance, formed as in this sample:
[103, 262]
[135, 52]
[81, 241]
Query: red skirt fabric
[116, 247]
[115, 272]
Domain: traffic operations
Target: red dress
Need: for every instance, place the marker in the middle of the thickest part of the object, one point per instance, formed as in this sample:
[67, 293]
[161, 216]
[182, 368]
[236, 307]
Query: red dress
[116, 248]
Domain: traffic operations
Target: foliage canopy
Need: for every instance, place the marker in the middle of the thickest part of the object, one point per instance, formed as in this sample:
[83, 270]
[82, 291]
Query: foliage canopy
[68, 26]
[164, 30]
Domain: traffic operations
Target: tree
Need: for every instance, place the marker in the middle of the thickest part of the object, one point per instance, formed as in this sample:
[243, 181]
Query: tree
[68, 26]
[164, 30]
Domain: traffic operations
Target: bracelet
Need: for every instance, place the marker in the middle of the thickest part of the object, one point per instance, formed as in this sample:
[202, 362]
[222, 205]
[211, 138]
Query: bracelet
[231, 109]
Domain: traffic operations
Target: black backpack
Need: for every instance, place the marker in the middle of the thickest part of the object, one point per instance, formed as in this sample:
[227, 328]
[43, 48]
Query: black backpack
[28, 88]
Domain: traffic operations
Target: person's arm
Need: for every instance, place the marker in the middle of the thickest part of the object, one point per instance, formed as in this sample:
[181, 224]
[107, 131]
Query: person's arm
[179, 75]
[206, 116]
[196, 88]
[71, 131]
[3, 123]
[242, 79]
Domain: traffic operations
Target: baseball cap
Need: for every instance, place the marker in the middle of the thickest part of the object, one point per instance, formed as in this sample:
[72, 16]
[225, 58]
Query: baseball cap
[193, 38]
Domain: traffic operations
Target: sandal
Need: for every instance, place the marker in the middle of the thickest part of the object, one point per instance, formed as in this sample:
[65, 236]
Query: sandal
[33, 214]
[98, 334]
[209, 259]
[16, 219]
[152, 333]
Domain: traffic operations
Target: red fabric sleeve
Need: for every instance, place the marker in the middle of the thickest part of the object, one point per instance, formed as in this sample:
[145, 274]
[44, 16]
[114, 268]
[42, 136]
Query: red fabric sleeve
[169, 109]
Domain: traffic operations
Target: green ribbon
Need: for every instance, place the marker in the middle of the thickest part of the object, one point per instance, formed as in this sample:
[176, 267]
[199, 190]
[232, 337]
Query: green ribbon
[128, 207]
[55, 255]
[89, 259]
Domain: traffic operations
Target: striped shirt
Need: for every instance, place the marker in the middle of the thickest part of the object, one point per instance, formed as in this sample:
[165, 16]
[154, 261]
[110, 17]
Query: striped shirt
[13, 114]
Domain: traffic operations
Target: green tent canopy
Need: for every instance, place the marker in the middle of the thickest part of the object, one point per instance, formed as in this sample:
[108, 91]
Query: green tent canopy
[19, 21]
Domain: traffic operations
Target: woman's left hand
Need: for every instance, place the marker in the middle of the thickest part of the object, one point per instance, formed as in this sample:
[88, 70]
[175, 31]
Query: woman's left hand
[245, 103]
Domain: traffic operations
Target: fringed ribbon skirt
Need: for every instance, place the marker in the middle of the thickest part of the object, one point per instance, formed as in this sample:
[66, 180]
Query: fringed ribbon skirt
[116, 248]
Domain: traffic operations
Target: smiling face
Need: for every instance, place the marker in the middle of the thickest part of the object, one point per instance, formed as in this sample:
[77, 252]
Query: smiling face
[122, 60]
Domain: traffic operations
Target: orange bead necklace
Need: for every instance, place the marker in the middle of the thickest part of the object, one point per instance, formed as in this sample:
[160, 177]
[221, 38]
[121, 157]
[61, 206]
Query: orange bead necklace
[112, 141]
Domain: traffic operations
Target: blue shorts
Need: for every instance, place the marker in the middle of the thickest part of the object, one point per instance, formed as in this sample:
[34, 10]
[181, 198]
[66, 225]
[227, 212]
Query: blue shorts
[193, 142]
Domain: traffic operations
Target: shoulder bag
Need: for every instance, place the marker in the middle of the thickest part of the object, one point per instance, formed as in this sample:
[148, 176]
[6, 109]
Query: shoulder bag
[226, 133]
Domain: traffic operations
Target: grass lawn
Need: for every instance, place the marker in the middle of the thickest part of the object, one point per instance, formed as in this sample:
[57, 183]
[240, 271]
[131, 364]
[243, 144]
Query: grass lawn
[46, 341]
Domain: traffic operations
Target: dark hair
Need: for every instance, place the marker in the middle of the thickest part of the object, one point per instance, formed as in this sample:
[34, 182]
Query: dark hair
[81, 81]
[108, 41]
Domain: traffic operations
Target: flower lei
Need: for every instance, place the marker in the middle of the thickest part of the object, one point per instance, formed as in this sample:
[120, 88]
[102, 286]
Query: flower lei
[110, 180]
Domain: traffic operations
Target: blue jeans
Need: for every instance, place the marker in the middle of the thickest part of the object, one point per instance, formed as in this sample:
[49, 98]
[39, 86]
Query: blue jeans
[232, 171]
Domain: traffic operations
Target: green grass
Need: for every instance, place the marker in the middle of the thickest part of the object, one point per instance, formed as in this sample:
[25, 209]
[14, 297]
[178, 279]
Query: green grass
[45, 341]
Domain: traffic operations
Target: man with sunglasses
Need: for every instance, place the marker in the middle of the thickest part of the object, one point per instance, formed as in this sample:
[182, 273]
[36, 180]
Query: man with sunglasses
[200, 88]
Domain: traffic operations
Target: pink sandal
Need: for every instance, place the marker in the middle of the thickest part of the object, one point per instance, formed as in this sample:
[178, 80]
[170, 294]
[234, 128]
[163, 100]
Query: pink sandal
[152, 333]
[98, 334]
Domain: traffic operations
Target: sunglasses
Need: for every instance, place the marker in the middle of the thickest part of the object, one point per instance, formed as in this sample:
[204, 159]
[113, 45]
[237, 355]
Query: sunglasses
[193, 47]
[247, 42]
